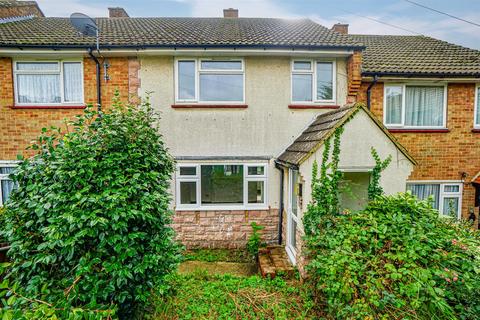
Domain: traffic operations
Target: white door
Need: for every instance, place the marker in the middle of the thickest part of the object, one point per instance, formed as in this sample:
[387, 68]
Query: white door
[292, 215]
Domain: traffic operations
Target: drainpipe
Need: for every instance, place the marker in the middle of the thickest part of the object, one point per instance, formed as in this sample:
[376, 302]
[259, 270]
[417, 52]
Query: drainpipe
[280, 210]
[370, 86]
[99, 81]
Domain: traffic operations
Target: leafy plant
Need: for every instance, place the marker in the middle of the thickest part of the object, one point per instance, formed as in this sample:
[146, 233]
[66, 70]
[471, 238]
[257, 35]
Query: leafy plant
[397, 259]
[254, 241]
[374, 188]
[325, 190]
[89, 222]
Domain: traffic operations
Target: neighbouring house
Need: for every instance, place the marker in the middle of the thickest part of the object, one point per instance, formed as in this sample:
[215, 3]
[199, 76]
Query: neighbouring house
[11, 10]
[246, 105]
[426, 92]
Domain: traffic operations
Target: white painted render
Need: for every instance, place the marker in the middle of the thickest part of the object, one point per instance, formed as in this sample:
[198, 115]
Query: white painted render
[264, 129]
[359, 136]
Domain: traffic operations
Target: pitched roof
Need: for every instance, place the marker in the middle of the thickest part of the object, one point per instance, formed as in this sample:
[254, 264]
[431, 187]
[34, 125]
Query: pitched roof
[322, 128]
[176, 32]
[417, 55]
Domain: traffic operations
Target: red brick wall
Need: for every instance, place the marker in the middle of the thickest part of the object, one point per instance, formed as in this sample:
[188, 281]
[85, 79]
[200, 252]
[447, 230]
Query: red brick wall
[442, 156]
[224, 229]
[21, 9]
[18, 127]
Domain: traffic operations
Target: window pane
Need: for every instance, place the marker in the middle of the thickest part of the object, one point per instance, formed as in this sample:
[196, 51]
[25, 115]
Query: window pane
[222, 184]
[221, 87]
[186, 80]
[6, 170]
[294, 192]
[7, 187]
[478, 106]
[37, 66]
[188, 171]
[256, 192]
[424, 106]
[221, 65]
[256, 171]
[393, 105]
[302, 65]
[188, 192]
[324, 80]
[302, 87]
[423, 191]
[38, 88]
[450, 207]
[451, 188]
[293, 233]
[72, 81]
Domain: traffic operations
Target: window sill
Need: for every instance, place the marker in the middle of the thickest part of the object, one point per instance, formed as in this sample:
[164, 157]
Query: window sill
[209, 106]
[34, 106]
[312, 106]
[476, 130]
[224, 208]
[393, 130]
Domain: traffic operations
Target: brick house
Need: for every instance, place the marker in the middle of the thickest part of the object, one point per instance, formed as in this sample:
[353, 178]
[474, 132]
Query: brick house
[426, 91]
[246, 105]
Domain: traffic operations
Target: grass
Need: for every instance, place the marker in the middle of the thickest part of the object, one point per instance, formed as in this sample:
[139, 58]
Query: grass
[202, 296]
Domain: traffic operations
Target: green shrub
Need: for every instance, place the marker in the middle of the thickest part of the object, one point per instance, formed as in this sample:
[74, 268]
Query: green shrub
[397, 259]
[88, 224]
[254, 242]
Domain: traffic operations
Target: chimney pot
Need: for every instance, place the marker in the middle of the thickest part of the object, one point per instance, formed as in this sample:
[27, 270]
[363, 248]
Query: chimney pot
[340, 28]
[230, 13]
[117, 12]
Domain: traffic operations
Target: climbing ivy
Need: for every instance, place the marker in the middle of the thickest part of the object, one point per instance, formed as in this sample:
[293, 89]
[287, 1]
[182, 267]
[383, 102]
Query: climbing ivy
[324, 189]
[374, 188]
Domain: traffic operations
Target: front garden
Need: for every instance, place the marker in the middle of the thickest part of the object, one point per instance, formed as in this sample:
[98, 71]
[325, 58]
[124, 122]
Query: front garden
[89, 230]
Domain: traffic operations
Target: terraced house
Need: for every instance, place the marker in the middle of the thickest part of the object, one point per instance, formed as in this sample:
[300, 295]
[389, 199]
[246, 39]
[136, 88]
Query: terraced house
[246, 106]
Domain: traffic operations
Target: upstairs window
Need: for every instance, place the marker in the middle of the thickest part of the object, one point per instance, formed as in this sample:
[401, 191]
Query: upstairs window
[48, 82]
[313, 81]
[408, 106]
[477, 107]
[210, 81]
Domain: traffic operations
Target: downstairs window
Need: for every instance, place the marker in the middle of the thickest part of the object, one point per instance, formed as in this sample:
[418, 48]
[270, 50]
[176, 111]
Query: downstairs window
[6, 184]
[214, 186]
[447, 197]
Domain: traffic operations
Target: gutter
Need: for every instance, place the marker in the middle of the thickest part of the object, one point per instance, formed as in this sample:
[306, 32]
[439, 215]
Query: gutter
[280, 210]
[421, 74]
[99, 81]
[369, 90]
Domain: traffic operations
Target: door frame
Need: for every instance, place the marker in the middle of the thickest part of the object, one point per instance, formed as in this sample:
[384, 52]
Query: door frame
[291, 250]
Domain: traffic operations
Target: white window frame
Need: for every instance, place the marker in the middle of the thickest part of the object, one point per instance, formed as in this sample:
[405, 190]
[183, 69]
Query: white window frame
[199, 70]
[442, 194]
[198, 179]
[5, 177]
[313, 72]
[59, 72]
[404, 86]
[476, 119]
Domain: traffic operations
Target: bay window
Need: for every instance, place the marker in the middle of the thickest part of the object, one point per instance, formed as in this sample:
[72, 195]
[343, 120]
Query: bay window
[414, 106]
[221, 185]
[313, 81]
[477, 108]
[210, 81]
[48, 82]
[447, 197]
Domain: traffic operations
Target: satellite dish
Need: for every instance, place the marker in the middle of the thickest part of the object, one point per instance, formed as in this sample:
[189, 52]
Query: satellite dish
[85, 25]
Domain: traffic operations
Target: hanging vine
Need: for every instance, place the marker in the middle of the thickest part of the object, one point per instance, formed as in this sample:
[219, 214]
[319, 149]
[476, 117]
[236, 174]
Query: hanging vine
[374, 188]
[324, 189]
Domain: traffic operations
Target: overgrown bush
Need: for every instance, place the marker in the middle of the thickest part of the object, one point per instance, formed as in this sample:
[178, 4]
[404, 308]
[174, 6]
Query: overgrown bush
[88, 224]
[397, 259]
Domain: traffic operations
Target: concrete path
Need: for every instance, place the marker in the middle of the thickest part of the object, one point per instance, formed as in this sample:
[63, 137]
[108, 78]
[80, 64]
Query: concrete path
[234, 268]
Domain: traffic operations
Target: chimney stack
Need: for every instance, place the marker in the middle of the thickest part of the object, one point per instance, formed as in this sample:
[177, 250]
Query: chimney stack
[230, 13]
[117, 12]
[340, 28]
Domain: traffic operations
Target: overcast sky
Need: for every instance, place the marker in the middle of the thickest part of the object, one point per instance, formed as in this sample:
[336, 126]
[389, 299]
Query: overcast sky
[325, 12]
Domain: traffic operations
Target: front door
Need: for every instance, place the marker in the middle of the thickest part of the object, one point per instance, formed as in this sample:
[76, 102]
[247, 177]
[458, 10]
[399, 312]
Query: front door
[292, 215]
